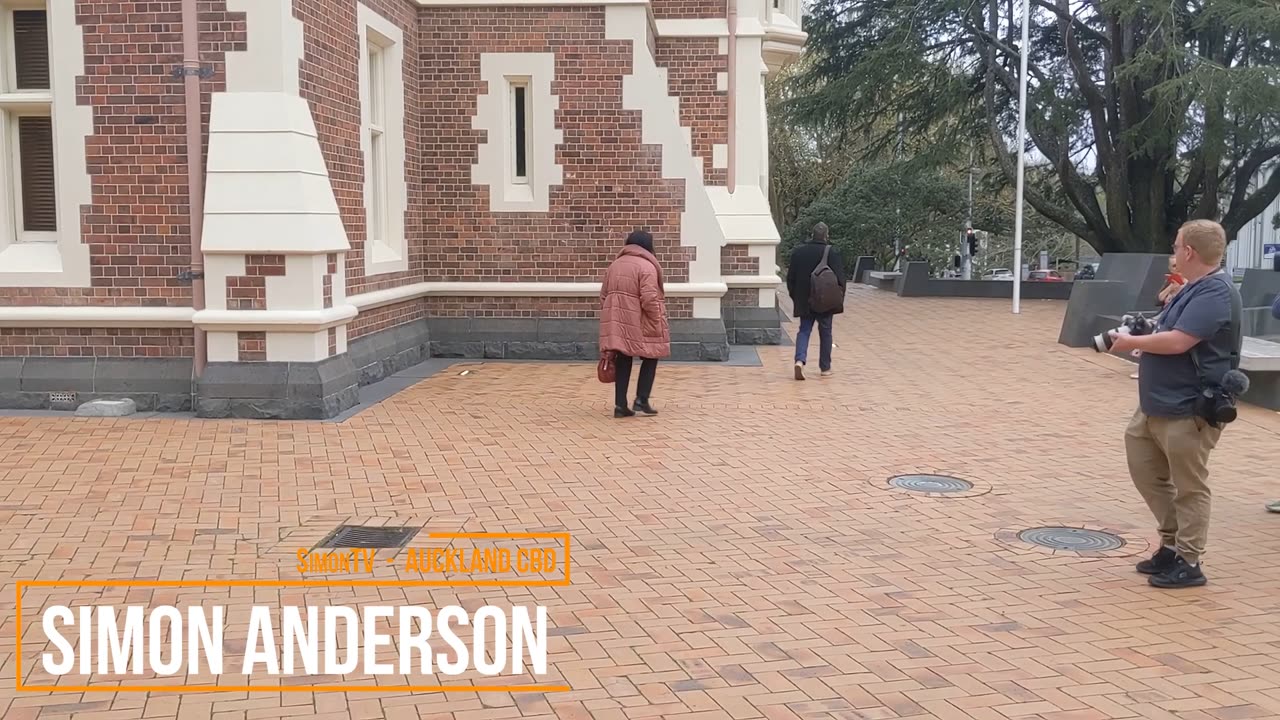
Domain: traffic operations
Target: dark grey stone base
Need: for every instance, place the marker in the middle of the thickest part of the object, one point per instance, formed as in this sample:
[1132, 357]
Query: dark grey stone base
[916, 282]
[560, 339]
[752, 325]
[863, 265]
[154, 384]
[1264, 390]
[382, 354]
[1126, 283]
[278, 390]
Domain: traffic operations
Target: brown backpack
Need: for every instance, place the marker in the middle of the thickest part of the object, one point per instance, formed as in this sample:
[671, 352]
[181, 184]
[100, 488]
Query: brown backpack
[825, 294]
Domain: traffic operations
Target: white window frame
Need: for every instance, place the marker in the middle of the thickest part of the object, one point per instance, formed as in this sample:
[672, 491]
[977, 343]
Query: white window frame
[386, 248]
[14, 104]
[495, 165]
[45, 259]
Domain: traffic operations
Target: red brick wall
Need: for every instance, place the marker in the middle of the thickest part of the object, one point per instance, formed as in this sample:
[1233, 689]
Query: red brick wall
[96, 342]
[612, 183]
[734, 260]
[741, 297]
[252, 346]
[672, 9]
[692, 65]
[249, 291]
[137, 225]
[387, 316]
[330, 82]
[585, 307]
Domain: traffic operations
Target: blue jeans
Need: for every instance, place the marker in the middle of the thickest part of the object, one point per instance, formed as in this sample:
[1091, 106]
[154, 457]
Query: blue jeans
[824, 340]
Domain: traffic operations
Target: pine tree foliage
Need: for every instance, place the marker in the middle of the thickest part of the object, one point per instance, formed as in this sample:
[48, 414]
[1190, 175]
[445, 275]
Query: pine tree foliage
[1142, 113]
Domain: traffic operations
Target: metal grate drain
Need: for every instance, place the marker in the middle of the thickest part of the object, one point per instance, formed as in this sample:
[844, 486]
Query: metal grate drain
[62, 397]
[1074, 539]
[368, 536]
[931, 483]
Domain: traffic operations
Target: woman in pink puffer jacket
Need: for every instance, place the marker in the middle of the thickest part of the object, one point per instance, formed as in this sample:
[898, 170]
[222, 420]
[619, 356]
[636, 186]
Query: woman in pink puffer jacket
[633, 320]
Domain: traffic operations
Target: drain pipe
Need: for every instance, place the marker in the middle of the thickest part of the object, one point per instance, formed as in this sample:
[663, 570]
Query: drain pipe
[732, 95]
[191, 74]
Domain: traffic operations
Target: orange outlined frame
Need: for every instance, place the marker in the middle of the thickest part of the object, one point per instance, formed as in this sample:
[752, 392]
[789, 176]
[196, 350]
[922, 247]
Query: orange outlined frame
[298, 583]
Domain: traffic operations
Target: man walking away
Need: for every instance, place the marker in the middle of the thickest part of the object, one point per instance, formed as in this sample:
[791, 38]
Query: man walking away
[1195, 344]
[816, 284]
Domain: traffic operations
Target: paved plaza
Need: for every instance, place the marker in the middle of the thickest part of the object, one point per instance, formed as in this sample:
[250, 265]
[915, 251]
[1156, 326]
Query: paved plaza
[739, 556]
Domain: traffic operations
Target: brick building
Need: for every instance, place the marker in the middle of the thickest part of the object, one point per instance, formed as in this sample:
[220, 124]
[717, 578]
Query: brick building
[383, 180]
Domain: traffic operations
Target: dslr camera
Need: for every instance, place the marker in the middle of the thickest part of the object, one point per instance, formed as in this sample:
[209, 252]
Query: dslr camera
[1217, 403]
[1129, 325]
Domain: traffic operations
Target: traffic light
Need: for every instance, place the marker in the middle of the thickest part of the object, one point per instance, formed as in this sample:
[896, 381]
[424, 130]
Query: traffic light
[973, 242]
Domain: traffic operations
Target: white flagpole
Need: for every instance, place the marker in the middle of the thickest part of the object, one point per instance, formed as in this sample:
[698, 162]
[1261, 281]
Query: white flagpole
[1022, 156]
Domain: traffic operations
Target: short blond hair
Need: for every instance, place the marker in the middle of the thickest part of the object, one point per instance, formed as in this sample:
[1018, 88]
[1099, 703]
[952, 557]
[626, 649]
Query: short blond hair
[1207, 238]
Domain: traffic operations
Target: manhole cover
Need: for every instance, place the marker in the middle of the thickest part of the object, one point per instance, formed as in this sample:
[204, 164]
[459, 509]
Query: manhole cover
[1076, 539]
[931, 483]
[368, 536]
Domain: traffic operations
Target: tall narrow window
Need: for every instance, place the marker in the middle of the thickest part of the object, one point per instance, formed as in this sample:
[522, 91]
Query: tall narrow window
[26, 113]
[520, 132]
[377, 167]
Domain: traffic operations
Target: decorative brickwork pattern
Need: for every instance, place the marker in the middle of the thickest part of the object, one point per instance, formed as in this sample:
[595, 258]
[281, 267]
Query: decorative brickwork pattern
[683, 9]
[734, 260]
[692, 65]
[138, 227]
[612, 183]
[253, 346]
[249, 291]
[96, 342]
[330, 82]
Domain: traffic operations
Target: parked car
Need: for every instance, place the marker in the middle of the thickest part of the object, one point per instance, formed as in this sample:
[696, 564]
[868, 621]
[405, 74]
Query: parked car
[998, 274]
[1086, 272]
[1045, 276]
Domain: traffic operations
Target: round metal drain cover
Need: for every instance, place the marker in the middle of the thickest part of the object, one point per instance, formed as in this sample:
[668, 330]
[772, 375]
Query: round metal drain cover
[931, 483]
[1075, 539]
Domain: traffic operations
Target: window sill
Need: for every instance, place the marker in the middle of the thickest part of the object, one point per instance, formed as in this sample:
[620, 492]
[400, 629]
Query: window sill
[383, 259]
[41, 264]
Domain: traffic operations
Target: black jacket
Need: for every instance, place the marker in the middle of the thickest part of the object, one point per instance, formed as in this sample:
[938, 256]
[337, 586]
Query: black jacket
[804, 260]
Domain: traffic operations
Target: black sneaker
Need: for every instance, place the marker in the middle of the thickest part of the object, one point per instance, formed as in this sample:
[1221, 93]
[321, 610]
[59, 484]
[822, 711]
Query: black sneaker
[643, 408]
[1180, 575]
[621, 412]
[1161, 562]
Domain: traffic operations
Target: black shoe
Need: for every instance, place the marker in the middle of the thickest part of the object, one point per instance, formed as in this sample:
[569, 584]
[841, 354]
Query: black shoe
[1181, 575]
[1161, 562]
[643, 407]
[621, 412]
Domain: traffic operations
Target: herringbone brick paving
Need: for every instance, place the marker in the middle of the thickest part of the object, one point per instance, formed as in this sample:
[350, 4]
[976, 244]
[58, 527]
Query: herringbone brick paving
[739, 556]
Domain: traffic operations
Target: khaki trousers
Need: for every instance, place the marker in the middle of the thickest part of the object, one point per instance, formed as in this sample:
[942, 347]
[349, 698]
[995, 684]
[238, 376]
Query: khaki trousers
[1169, 463]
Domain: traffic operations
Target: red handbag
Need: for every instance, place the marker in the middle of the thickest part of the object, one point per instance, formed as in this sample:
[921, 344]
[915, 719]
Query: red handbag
[607, 370]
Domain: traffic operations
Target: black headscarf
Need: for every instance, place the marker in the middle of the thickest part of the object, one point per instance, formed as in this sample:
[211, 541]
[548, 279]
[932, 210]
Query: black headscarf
[641, 238]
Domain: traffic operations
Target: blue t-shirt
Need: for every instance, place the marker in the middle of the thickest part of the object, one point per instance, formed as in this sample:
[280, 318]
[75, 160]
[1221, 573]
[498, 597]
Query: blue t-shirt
[1168, 384]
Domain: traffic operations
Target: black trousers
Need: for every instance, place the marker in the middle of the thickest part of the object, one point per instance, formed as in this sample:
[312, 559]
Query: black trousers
[648, 370]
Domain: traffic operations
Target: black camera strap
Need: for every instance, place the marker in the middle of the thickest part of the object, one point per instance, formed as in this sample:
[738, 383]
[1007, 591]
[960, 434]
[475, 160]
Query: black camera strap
[1237, 334]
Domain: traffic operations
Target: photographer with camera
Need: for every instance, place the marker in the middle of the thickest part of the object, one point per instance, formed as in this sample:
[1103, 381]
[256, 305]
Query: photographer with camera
[1186, 389]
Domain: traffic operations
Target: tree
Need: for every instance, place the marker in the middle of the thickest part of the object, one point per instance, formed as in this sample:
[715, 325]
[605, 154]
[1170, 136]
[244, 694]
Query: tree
[925, 208]
[1143, 114]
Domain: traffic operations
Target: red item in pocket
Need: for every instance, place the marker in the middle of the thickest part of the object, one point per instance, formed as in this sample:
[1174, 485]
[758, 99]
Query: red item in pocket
[607, 370]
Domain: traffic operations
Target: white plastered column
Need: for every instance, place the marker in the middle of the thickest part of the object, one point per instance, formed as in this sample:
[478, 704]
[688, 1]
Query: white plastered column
[744, 217]
[646, 90]
[269, 193]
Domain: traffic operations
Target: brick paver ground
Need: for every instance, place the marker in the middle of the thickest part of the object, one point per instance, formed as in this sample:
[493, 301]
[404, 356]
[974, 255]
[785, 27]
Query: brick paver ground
[739, 556]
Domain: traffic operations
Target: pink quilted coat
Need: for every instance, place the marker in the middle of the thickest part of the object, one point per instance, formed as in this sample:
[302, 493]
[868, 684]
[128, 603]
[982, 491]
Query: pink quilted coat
[633, 309]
